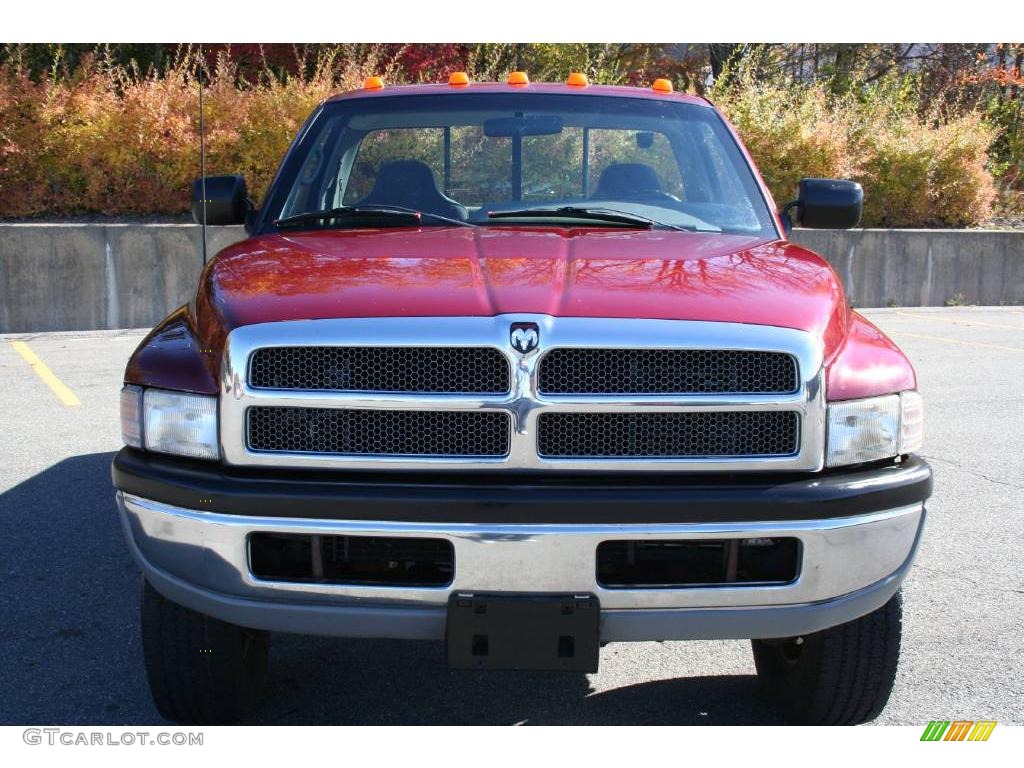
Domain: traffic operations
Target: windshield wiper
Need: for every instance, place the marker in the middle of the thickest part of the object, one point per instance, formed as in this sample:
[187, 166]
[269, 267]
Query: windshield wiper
[580, 212]
[423, 214]
[390, 214]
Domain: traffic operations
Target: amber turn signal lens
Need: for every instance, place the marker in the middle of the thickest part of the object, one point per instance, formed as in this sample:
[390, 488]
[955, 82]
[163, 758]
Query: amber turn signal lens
[458, 78]
[518, 78]
[662, 85]
[577, 80]
[374, 83]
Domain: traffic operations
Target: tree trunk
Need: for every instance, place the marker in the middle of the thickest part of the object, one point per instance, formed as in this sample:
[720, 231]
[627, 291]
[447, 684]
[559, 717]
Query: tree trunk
[722, 55]
[846, 57]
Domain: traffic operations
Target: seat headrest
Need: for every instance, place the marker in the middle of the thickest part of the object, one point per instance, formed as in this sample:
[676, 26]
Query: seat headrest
[628, 180]
[411, 174]
[411, 184]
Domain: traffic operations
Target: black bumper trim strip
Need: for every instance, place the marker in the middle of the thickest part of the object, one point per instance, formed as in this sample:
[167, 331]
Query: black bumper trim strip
[519, 498]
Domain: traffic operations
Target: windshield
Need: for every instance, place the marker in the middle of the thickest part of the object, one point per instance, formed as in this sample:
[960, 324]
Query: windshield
[561, 160]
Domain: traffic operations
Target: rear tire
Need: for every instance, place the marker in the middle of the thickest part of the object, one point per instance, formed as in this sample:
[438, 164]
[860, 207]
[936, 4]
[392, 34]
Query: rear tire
[201, 670]
[839, 676]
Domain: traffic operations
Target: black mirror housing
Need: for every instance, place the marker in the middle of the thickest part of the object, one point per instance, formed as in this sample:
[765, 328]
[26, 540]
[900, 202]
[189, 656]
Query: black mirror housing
[227, 200]
[829, 203]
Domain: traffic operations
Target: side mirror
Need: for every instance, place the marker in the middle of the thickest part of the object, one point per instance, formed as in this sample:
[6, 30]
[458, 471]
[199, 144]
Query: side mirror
[227, 201]
[826, 204]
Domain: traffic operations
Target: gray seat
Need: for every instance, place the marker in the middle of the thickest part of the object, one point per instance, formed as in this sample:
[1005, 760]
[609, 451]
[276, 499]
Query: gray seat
[411, 184]
[628, 181]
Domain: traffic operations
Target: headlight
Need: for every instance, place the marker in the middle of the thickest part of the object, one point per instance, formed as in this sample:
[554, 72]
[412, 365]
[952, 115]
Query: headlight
[170, 422]
[874, 428]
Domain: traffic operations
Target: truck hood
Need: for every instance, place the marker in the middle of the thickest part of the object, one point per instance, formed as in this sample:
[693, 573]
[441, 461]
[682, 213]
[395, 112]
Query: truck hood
[500, 270]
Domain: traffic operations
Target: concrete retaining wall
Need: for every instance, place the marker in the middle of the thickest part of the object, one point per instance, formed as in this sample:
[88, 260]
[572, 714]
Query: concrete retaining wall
[70, 277]
[923, 267]
[59, 277]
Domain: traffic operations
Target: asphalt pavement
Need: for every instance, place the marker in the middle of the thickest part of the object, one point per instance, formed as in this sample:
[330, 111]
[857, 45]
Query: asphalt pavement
[70, 651]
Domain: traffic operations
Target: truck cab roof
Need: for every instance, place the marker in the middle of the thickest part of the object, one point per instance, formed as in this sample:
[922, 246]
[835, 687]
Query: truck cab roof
[429, 89]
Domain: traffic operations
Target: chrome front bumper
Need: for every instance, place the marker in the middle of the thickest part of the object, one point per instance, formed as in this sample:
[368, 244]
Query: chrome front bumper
[199, 558]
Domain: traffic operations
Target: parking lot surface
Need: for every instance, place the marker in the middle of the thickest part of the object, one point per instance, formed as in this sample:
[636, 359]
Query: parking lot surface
[70, 650]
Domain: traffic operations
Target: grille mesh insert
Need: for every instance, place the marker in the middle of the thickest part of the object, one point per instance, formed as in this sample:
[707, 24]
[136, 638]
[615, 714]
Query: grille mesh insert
[378, 432]
[567, 371]
[668, 435]
[381, 369]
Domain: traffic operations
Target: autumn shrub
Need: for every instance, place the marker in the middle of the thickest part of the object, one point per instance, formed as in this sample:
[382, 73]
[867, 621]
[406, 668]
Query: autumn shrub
[104, 138]
[917, 167]
[24, 135]
[108, 140]
[791, 134]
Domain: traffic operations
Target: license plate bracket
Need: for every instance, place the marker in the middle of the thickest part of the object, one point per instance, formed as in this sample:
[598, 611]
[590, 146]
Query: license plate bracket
[517, 631]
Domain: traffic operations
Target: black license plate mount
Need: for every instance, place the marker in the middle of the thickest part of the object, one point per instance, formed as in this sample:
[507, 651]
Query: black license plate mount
[523, 631]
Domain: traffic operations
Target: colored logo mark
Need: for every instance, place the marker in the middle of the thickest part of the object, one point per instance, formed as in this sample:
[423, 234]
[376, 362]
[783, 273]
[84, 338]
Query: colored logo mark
[958, 730]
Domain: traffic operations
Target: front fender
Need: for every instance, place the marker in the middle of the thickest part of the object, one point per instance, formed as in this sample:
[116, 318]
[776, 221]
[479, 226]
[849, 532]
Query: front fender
[867, 364]
[172, 357]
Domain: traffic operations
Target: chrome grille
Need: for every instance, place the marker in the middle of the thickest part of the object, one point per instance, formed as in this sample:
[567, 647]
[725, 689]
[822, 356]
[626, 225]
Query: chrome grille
[361, 432]
[458, 370]
[668, 435]
[570, 371]
[454, 393]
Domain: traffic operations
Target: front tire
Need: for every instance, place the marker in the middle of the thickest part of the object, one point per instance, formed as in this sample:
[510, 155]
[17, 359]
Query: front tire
[839, 676]
[201, 670]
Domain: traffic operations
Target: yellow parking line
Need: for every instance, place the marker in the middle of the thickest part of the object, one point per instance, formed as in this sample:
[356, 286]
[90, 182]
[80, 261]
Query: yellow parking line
[961, 322]
[59, 388]
[956, 341]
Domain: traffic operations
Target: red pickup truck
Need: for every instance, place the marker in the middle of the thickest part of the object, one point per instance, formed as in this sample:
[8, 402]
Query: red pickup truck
[527, 369]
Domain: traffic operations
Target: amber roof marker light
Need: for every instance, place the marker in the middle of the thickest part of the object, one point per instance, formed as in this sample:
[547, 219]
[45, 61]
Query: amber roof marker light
[577, 80]
[458, 79]
[662, 85]
[518, 78]
[374, 83]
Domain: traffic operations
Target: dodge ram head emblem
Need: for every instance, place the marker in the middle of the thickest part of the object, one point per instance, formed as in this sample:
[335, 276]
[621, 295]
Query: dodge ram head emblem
[525, 337]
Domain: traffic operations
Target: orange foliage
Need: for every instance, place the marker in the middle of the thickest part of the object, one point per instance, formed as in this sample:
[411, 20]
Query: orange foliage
[104, 141]
[931, 171]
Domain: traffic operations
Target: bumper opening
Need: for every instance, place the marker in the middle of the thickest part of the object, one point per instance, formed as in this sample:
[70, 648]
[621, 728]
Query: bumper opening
[697, 562]
[355, 560]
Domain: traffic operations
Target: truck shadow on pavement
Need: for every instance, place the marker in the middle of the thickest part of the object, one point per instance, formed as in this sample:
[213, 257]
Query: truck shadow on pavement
[70, 651]
[395, 682]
